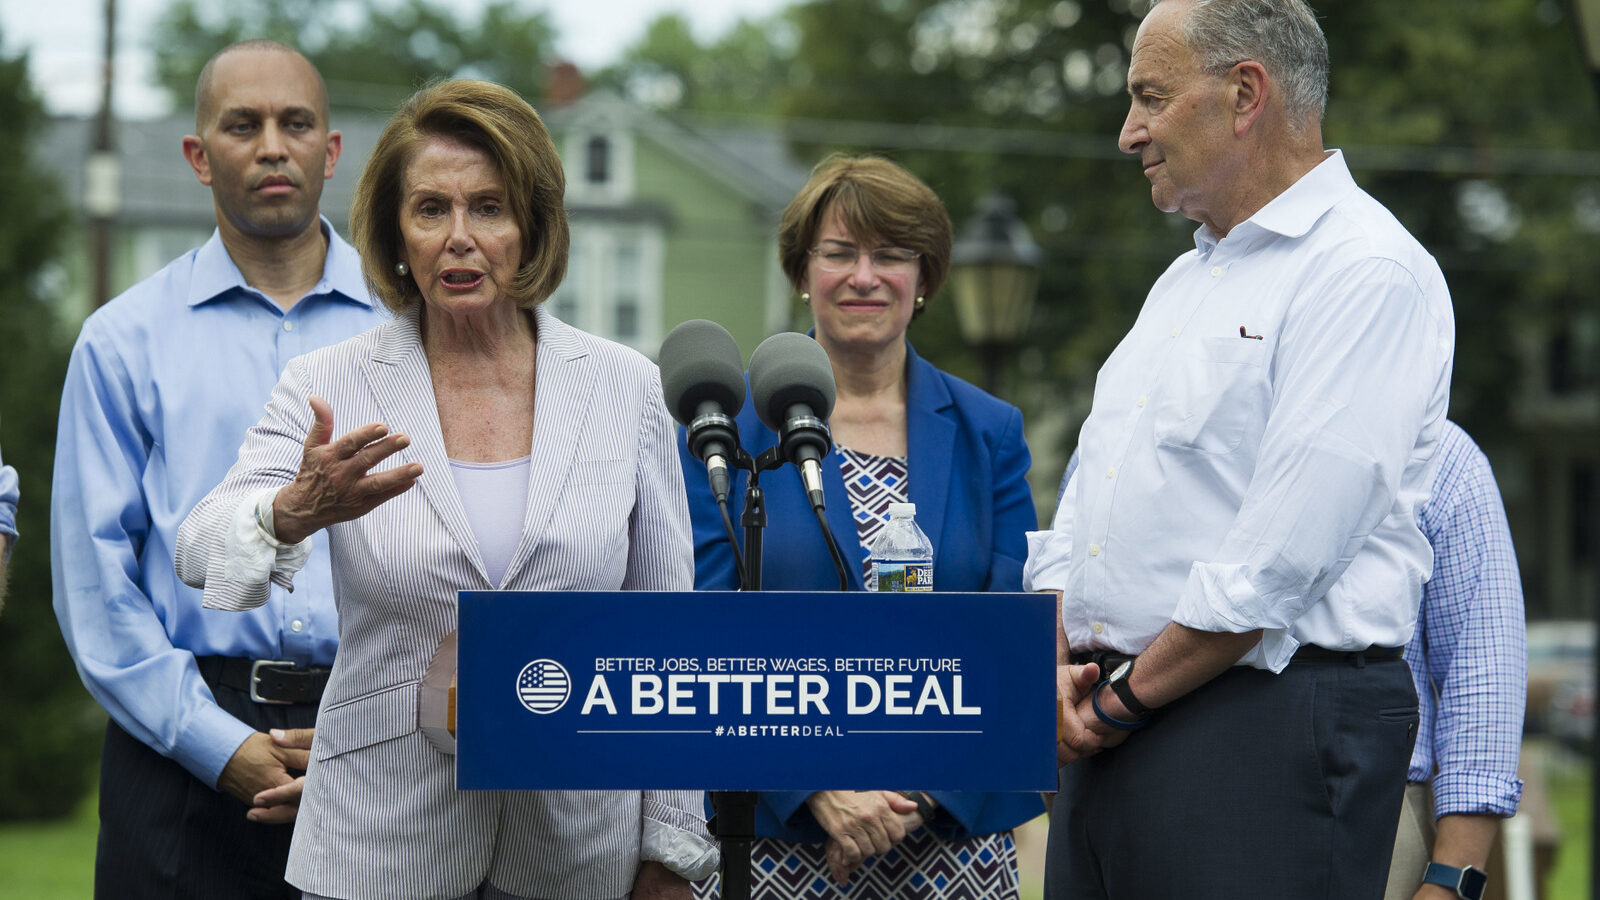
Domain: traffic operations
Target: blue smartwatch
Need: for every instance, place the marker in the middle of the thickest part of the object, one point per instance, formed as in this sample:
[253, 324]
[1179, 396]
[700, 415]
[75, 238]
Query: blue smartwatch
[1468, 882]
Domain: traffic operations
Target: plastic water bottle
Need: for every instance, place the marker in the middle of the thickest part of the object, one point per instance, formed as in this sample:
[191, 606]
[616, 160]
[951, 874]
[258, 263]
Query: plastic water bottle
[902, 556]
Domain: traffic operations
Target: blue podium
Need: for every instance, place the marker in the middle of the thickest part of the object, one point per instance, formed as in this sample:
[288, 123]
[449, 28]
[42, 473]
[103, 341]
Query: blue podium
[755, 691]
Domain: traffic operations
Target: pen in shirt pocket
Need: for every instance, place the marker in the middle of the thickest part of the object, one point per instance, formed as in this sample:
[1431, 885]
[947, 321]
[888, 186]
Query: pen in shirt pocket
[1253, 337]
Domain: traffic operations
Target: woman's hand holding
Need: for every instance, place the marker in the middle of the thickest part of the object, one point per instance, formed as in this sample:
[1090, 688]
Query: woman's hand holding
[861, 824]
[333, 485]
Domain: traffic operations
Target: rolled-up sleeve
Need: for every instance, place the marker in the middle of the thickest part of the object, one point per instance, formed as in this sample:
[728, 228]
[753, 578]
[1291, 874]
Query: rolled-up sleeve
[1477, 652]
[10, 493]
[1049, 552]
[1363, 368]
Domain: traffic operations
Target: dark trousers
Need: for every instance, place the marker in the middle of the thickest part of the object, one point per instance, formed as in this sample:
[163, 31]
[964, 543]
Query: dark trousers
[166, 836]
[1254, 785]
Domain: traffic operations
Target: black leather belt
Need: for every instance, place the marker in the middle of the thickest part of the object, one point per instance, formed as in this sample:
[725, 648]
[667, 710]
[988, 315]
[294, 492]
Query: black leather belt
[266, 680]
[1108, 660]
[1311, 653]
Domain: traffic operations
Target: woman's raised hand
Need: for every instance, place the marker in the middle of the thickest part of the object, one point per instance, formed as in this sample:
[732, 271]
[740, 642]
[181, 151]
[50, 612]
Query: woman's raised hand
[332, 484]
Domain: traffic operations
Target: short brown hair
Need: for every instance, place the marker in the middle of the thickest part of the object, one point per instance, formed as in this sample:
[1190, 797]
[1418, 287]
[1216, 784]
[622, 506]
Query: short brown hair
[878, 200]
[495, 120]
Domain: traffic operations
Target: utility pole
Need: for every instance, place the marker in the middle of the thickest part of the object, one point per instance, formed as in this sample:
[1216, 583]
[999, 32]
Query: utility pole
[102, 190]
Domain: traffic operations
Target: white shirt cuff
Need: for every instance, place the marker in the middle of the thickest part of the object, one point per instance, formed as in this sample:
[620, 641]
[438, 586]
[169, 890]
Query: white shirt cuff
[1049, 553]
[1220, 599]
[252, 553]
[688, 855]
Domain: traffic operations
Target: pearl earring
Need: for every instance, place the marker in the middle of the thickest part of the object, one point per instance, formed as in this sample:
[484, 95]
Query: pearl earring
[921, 302]
[401, 269]
[806, 298]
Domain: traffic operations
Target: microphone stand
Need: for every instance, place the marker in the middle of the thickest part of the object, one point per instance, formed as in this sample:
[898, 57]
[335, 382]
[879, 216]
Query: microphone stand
[736, 810]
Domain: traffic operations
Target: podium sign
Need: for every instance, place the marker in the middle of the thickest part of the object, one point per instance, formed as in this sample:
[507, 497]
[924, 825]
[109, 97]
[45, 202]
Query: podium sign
[773, 690]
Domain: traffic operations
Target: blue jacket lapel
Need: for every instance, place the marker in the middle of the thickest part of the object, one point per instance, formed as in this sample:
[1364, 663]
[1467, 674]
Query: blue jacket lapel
[930, 435]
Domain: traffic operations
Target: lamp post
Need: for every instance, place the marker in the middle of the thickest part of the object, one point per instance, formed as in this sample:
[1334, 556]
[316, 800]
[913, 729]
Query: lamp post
[994, 276]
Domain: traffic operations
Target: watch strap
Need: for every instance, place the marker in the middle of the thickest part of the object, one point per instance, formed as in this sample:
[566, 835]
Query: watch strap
[1467, 882]
[1124, 692]
[1107, 718]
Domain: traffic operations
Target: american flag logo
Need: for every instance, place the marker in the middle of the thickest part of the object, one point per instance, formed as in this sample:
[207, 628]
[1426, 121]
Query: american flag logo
[543, 686]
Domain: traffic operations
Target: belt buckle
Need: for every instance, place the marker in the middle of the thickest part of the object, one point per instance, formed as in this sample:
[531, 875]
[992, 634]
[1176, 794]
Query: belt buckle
[255, 679]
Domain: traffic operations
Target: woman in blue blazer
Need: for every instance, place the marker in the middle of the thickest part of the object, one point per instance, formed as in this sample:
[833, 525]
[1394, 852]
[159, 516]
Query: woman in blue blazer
[865, 243]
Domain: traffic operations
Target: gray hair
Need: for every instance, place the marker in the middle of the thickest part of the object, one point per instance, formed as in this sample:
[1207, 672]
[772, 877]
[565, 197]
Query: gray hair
[1282, 35]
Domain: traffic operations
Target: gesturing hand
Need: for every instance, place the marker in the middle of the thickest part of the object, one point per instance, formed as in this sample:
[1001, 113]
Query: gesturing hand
[332, 484]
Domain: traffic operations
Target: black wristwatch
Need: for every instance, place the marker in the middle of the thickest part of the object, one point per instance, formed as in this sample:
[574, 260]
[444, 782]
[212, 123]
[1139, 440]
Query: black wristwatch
[1468, 882]
[1118, 683]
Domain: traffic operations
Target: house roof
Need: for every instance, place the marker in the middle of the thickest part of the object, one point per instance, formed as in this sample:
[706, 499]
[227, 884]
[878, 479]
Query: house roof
[157, 187]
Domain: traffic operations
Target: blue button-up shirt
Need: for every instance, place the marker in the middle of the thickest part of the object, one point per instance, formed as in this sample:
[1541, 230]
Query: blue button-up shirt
[162, 385]
[1469, 655]
[8, 506]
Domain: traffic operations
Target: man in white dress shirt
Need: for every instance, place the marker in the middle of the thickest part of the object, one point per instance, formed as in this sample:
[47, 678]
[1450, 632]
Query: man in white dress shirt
[1238, 557]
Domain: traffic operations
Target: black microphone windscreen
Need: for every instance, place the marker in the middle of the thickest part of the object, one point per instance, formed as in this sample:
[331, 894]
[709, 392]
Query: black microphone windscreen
[699, 362]
[790, 368]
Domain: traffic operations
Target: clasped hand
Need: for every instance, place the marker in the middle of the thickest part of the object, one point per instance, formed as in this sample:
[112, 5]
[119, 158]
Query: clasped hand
[861, 824]
[1079, 732]
[261, 774]
[333, 484]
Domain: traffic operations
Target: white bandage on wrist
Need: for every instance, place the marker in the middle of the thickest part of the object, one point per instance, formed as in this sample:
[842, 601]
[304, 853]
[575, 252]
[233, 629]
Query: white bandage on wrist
[687, 855]
[252, 552]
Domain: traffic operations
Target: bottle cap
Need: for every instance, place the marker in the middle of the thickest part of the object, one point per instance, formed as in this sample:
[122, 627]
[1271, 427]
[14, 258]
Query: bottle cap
[902, 510]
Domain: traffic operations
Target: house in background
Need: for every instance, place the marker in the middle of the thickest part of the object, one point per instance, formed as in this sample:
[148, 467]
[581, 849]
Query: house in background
[668, 222]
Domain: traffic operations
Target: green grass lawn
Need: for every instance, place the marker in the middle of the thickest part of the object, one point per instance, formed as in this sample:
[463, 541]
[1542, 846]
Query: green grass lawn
[50, 861]
[1570, 799]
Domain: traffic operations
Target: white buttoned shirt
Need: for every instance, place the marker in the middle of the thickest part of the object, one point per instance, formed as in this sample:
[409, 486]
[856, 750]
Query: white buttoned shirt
[1261, 439]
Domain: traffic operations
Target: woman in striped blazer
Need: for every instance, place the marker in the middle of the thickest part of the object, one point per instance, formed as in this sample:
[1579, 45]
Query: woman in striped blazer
[542, 459]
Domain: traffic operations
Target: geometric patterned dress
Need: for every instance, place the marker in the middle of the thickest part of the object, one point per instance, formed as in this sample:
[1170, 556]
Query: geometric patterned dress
[923, 866]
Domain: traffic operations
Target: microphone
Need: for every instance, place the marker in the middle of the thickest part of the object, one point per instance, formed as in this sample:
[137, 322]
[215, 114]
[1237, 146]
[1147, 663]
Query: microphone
[702, 382]
[794, 392]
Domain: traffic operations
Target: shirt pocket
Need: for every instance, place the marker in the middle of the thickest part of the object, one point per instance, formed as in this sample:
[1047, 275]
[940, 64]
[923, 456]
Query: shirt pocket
[1215, 394]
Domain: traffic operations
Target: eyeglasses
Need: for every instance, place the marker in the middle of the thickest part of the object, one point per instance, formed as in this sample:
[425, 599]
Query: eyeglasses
[885, 260]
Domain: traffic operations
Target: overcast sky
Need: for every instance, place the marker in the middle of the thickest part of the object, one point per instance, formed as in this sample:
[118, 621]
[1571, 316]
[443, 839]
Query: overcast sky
[63, 38]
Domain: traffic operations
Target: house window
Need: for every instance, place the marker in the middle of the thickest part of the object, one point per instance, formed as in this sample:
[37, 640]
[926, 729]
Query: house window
[613, 285]
[627, 289]
[597, 160]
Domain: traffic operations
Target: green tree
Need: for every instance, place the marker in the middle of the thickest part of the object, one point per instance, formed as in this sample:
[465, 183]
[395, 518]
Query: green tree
[1470, 121]
[371, 55]
[49, 729]
[742, 72]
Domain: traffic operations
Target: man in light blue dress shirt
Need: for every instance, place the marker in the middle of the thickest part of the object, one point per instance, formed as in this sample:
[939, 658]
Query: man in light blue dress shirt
[8, 522]
[162, 385]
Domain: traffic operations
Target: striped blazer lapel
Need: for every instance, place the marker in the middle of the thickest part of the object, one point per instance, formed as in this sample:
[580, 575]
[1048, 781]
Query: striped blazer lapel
[398, 375]
[563, 399]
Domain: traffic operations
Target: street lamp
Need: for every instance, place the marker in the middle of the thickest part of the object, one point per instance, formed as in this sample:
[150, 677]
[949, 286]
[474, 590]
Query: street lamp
[994, 275]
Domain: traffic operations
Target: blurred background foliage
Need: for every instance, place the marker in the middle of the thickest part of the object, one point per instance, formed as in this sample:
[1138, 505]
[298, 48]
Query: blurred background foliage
[1476, 123]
